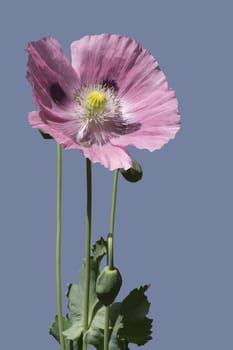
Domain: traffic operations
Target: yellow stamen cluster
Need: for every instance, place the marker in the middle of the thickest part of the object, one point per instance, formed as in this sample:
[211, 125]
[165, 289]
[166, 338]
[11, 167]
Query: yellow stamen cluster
[95, 102]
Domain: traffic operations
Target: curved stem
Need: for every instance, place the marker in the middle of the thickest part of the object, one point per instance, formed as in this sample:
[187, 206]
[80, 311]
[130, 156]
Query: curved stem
[114, 196]
[110, 253]
[58, 247]
[88, 249]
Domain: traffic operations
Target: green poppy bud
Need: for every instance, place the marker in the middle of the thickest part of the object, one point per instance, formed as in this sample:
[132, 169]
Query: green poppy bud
[108, 285]
[45, 136]
[134, 174]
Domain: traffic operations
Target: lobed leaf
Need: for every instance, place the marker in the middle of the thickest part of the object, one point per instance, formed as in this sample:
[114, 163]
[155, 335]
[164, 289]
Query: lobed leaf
[99, 249]
[76, 296]
[131, 323]
[54, 331]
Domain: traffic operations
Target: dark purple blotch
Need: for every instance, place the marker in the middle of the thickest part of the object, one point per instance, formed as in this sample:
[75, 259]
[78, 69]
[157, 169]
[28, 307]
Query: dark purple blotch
[56, 93]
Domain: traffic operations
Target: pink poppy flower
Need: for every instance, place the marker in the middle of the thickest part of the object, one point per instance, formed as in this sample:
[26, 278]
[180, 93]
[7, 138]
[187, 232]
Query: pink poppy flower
[112, 95]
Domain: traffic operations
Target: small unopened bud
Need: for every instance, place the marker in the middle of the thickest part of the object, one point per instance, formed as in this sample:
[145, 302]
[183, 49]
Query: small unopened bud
[108, 285]
[134, 174]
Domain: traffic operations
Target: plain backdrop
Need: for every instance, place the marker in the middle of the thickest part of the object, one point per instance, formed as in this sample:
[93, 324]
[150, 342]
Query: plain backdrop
[174, 228]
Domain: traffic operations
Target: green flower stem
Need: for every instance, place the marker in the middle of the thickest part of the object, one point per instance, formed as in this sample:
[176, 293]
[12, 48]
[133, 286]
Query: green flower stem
[88, 249]
[110, 253]
[58, 247]
[114, 196]
[106, 327]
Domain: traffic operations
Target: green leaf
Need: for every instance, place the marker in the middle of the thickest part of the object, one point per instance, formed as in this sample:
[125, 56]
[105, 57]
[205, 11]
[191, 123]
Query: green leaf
[98, 320]
[115, 343]
[99, 249]
[75, 331]
[95, 333]
[45, 136]
[118, 344]
[132, 324]
[134, 174]
[114, 313]
[95, 337]
[54, 331]
[135, 305]
[76, 296]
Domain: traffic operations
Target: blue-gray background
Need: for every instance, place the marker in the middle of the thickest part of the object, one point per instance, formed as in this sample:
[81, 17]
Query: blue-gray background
[174, 229]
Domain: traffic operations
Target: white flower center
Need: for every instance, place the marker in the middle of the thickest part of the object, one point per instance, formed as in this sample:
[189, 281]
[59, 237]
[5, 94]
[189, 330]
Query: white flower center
[99, 115]
[98, 109]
